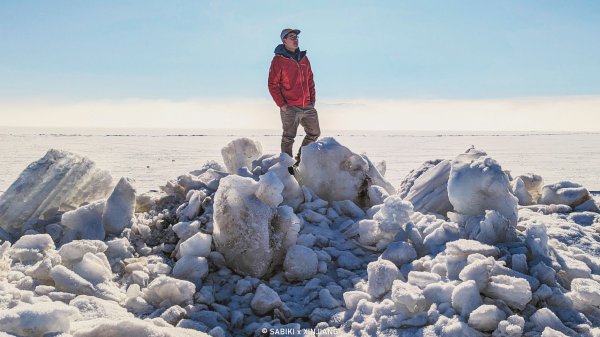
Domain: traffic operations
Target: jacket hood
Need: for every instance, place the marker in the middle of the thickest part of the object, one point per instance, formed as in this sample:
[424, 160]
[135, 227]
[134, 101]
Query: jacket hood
[298, 55]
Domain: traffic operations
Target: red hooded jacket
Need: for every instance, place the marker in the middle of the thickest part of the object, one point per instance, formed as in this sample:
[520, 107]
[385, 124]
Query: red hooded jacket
[291, 78]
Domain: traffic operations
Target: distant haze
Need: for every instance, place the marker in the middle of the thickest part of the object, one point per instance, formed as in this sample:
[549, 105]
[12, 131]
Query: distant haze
[577, 113]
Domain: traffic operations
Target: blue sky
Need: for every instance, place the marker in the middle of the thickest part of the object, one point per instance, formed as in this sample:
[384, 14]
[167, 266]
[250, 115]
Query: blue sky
[78, 51]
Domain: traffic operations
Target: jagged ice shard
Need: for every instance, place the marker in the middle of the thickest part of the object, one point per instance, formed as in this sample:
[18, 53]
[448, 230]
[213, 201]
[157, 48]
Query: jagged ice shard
[59, 181]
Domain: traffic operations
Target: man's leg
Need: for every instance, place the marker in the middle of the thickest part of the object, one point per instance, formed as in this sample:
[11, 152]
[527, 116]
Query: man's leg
[289, 123]
[310, 123]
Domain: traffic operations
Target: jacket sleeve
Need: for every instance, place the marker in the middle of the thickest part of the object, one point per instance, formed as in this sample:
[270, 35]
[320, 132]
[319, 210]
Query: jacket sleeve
[273, 83]
[311, 85]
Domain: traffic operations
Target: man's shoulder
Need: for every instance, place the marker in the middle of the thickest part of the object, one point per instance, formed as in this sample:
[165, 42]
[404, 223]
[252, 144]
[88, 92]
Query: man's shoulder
[278, 57]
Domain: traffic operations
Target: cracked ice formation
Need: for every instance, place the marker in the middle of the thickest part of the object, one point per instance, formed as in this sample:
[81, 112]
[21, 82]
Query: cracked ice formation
[59, 180]
[427, 188]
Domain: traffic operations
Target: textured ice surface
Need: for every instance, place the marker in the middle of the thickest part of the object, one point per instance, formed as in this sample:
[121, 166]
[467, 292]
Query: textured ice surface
[86, 222]
[196, 245]
[94, 268]
[486, 317]
[132, 327]
[427, 187]
[240, 153]
[399, 253]
[334, 172]
[381, 275]
[31, 247]
[409, 296]
[119, 208]
[477, 184]
[586, 291]
[59, 180]
[167, 291]
[269, 189]
[264, 300]
[423, 276]
[465, 298]
[527, 188]
[387, 223]
[468, 247]
[93, 307]
[511, 327]
[68, 281]
[292, 191]
[37, 319]
[564, 193]
[252, 236]
[191, 268]
[515, 292]
[435, 232]
[301, 263]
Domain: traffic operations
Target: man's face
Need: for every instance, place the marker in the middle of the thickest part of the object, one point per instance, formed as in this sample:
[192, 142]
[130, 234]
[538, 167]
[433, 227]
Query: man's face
[290, 41]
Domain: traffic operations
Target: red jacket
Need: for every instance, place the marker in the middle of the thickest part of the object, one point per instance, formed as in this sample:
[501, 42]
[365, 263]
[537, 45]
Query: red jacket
[290, 81]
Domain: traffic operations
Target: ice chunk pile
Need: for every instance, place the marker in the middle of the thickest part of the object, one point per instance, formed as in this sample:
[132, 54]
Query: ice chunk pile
[468, 289]
[59, 181]
[74, 291]
[225, 254]
[471, 288]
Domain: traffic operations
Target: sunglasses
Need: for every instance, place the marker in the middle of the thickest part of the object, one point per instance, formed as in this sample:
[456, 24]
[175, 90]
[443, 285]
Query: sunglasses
[292, 37]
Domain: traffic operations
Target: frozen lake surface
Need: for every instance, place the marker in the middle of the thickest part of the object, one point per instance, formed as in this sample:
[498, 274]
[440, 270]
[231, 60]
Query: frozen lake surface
[153, 156]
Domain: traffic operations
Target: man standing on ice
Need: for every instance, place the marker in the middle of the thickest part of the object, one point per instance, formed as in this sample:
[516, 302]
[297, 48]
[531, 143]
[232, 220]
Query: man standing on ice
[292, 87]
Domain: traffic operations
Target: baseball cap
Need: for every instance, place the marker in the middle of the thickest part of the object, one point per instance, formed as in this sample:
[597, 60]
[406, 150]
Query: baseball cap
[289, 30]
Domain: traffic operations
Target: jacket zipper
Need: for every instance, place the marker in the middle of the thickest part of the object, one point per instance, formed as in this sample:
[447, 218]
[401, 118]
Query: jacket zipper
[301, 83]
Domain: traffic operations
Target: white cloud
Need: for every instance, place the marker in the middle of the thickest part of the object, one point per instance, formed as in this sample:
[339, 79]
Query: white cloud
[564, 113]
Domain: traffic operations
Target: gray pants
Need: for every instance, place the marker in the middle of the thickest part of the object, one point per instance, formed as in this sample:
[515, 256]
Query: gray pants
[290, 119]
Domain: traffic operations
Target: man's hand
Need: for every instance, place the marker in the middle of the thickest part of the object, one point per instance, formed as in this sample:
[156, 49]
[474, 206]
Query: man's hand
[284, 108]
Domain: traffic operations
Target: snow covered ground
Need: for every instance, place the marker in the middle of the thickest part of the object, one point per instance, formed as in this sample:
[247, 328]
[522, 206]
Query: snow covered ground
[460, 247]
[153, 156]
